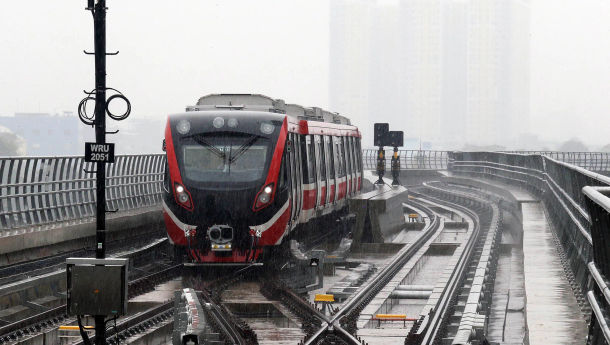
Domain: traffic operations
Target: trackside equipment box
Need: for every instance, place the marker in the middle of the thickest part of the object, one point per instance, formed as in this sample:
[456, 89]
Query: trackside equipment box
[97, 286]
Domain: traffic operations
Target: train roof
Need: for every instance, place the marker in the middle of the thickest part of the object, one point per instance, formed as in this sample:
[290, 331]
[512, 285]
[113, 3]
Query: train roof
[258, 102]
[294, 124]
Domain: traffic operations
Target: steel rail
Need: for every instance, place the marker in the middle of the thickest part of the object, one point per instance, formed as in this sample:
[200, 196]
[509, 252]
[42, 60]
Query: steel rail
[485, 236]
[138, 284]
[227, 327]
[136, 320]
[379, 280]
[434, 322]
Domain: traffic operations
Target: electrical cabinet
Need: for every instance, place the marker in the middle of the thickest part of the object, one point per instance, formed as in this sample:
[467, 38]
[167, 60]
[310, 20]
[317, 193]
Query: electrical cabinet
[97, 286]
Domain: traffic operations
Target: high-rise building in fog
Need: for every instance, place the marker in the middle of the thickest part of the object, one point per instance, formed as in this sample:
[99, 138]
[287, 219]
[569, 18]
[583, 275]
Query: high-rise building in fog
[448, 72]
[349, 60]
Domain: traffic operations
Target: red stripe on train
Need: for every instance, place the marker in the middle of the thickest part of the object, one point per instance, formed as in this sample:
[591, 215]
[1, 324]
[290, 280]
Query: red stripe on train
[309, 199]
[276, 230]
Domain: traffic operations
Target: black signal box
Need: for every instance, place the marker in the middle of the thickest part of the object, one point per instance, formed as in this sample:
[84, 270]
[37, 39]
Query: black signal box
[396, 138]
[381, 133]
[97, 286]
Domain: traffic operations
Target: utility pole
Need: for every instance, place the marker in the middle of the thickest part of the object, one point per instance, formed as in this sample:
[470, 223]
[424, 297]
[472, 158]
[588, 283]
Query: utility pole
[100, 153]
[99, 36]
[99, 20]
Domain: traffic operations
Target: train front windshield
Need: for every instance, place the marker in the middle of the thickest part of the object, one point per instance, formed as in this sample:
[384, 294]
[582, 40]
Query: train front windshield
[233, 157]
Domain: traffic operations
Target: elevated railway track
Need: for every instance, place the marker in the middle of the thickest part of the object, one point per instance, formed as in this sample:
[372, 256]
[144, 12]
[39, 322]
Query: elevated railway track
[45, 197]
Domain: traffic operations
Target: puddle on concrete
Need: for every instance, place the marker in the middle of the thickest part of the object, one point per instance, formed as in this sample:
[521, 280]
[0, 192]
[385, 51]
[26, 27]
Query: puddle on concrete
[261, 314]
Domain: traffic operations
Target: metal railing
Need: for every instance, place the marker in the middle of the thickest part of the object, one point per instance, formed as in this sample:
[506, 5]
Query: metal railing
[579, 208]
[437, 160]
[598, 204]
[409, 159]
[45, 190]
[594, 161]
[38, 191]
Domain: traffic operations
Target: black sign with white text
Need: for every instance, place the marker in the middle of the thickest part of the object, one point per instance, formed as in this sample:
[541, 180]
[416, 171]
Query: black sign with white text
[95, 152]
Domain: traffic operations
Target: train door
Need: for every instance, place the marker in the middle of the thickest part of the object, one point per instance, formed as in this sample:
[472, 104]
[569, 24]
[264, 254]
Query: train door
[342, 168]
[348, 158]
[292, 175]
[310, 179]
[359, 164]
[321, 169]
[350, 141]
[330, 169]
[299, 174]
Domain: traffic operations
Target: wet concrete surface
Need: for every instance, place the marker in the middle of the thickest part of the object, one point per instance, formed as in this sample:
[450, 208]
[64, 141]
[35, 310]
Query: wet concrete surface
[272, 322]
[553, 314]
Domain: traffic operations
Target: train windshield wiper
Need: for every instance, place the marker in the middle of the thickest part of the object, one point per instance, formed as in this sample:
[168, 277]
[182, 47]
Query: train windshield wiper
[242, 149]
[201, 141]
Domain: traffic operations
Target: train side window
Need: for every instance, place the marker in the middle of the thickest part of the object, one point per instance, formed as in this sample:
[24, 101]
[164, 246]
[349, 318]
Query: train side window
[304, 162]
[358, 155]
[339, 157]
[348, 142]
[322, 159]
[353, 153]
[312, 159]
[343, 156]
[331, 156]
[344, 147]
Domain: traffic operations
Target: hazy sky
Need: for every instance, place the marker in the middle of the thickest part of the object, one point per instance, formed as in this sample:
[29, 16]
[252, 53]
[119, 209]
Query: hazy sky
[174, 52]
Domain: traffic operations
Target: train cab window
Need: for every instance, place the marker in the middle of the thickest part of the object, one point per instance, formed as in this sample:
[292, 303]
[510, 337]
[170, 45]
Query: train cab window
[235, 157]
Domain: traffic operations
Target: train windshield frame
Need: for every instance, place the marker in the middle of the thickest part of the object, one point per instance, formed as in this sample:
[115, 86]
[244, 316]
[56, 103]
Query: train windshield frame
[228, 157]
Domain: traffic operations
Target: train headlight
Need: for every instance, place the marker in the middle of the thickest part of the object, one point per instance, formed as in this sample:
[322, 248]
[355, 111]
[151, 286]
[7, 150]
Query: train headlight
[232, 123]
[267, 128]
[264, 197]
[183, 197]
[183, 127]
[218, 122]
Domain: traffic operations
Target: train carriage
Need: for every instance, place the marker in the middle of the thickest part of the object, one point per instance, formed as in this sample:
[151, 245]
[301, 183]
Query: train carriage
[245, 172]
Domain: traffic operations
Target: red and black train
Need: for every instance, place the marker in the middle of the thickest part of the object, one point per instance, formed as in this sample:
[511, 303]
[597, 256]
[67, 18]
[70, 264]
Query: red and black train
[244, 172]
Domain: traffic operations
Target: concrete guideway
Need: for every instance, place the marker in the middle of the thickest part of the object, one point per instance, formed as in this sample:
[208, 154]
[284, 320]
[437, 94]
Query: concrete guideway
[553, 314]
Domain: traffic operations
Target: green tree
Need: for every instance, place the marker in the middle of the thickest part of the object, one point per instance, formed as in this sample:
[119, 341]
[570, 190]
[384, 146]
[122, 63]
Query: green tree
[11, 144]
[573, 145]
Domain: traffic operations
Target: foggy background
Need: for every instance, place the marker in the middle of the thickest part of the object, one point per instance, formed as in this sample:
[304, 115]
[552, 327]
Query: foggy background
[452, 74]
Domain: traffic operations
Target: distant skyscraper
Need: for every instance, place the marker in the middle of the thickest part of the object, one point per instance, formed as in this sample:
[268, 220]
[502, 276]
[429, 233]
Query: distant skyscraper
[349, 61]
[497, 72]
[445, 71]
